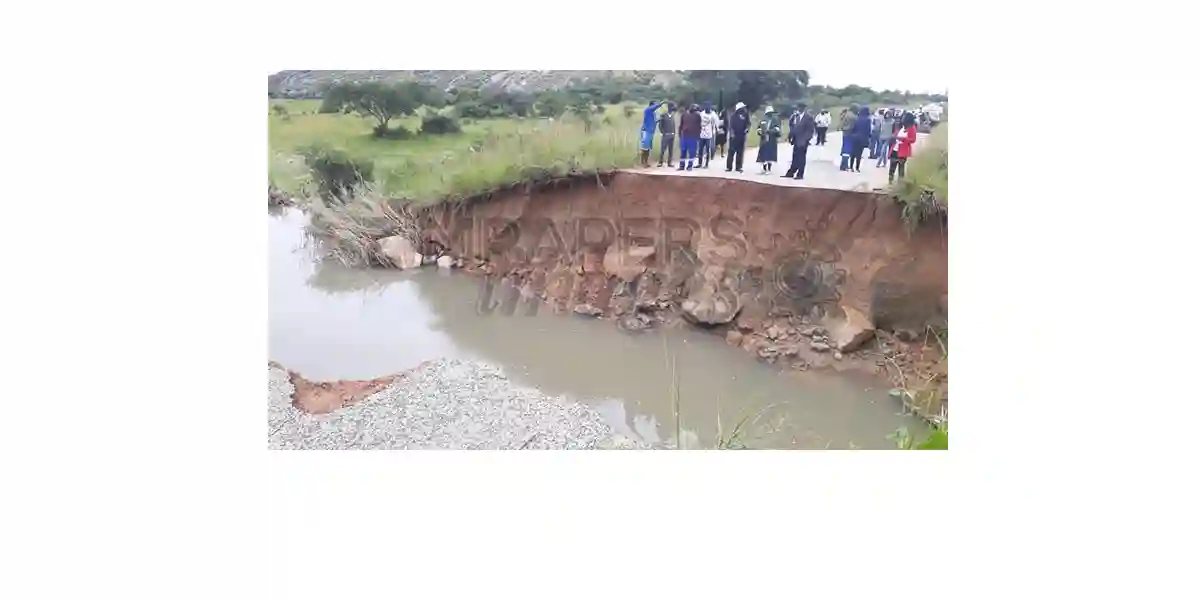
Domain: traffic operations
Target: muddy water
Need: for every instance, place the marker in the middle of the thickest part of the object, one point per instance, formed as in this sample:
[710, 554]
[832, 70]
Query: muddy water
[329, 322]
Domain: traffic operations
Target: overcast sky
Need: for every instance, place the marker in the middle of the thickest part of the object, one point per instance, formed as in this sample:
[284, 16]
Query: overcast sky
[879, 76]
[875, 75]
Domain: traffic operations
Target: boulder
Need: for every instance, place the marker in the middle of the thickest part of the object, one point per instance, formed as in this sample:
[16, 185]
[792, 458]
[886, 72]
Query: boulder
[635, 322]
[628, 262]
[445, 262]
[898, 305]
[850, 333]
[713, 299]
[400, 252]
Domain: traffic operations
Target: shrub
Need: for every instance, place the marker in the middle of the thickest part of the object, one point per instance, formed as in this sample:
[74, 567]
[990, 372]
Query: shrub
[393, 133]
[336, 173]
[279, 110]
[436, 124]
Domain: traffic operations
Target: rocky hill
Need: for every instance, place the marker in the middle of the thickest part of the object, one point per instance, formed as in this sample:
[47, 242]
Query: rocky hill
[309, 84]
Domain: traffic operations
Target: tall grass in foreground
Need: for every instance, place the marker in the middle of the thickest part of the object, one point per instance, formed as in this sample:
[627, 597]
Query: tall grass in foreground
[924, 191]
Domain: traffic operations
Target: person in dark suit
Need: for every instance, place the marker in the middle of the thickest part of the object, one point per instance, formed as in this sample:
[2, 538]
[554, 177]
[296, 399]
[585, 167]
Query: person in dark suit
[801, 134]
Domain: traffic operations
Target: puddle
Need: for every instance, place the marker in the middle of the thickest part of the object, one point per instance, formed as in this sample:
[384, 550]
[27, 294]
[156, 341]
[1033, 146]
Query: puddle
[329, 322]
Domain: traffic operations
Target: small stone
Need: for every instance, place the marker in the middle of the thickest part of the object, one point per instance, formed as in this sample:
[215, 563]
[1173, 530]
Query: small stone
[819, 346]
[906, 335]
[445, 262]
[587, 310]
[837, 355]
[734, 337]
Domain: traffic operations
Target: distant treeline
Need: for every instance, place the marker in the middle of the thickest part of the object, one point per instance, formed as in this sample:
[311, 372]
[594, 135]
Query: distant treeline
[784, 89]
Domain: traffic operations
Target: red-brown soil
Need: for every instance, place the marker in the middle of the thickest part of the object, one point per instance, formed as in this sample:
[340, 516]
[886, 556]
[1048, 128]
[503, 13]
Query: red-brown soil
[767, 264]
[320, 397]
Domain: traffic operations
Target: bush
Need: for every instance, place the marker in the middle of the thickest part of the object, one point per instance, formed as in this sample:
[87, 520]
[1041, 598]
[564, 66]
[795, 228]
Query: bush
[393, 133]
[436, 124]
[279, 110]
[336, 173]
[924, 191]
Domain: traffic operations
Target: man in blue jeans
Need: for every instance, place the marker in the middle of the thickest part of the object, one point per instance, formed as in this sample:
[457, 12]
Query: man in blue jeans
[873, 145]
[649, 120]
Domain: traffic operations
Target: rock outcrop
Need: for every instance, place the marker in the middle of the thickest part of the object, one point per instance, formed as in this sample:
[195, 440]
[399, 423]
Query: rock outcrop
[400, 252]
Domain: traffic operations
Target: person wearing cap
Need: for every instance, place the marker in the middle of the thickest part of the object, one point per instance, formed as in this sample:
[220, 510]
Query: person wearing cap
[689, 137]
[739, 128]
[769, 132]
[708, 129]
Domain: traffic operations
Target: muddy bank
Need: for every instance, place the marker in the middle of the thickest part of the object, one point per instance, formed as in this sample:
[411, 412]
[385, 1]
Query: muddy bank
[801, 278]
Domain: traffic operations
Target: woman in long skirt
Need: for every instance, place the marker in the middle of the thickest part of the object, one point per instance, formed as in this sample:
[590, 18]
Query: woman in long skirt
[769, 131]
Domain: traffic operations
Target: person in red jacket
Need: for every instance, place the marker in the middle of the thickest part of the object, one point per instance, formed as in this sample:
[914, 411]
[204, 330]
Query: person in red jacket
[902, 144]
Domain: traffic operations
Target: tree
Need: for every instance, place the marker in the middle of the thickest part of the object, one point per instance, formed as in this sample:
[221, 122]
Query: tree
[754, 88]
[586, 110]
[380, 101]
[551, 104]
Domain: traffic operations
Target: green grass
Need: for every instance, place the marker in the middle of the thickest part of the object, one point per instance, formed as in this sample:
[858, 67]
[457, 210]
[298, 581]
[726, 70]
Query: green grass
[487, 155]
[924, 191]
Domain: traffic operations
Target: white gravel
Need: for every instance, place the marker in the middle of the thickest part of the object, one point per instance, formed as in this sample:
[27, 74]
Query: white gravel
[450, 404]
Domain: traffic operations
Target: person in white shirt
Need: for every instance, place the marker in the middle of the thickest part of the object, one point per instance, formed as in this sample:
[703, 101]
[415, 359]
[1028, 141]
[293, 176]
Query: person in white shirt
[823, 120]
[708, 129]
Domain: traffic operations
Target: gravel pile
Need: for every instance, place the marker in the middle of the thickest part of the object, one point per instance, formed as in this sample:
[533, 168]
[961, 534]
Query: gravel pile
[450, 404]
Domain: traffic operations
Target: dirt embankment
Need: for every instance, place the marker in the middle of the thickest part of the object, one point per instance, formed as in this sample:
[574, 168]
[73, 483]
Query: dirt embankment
[805, 278]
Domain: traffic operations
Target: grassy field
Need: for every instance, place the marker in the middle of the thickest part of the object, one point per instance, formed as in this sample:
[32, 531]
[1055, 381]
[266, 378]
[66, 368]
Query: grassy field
[486, 155]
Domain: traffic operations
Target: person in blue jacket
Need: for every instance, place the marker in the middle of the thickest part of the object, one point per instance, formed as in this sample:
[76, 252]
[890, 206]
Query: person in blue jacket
[860, 136]
[649, 120]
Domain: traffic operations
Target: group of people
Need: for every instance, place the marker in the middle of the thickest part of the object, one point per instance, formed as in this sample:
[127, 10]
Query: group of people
[889, 134]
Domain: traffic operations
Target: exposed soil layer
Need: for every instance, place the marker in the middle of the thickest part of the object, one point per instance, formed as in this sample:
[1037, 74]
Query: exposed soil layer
[798, 276]
[320, 397]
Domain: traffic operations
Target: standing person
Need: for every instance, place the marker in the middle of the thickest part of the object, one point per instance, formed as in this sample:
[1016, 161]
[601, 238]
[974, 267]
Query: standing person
[823, 120]
[739, 128]
[887, 130]
[708, 129]
[793, 120]
[648, 121]
[722, 130]
[801, 134]
[666, 127]
[901, 146]
[689, 136]
[861, 134]
[769, 131]
[847, 120]
[876, 132]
